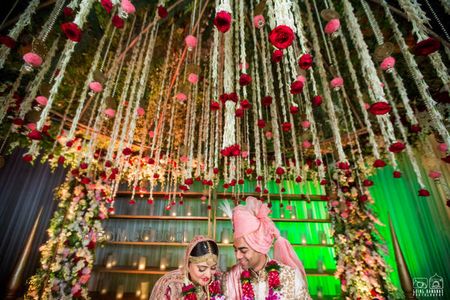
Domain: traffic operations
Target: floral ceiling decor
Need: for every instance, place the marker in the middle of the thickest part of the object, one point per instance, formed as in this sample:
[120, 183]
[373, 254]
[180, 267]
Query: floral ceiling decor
[163, 94]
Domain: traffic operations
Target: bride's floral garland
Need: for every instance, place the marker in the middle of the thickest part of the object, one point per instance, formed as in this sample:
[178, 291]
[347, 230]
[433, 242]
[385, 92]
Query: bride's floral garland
[273, 273]
[215, 291]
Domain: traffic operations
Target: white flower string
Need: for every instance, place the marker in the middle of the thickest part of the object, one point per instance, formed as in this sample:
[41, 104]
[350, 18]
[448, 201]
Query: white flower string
[326, 91]
[24, 20]
[402, 130]
[51, 20]
[88, 80]
[60, 131]
[446, 6]
[6, 101]
[422, 86]
[80, 19]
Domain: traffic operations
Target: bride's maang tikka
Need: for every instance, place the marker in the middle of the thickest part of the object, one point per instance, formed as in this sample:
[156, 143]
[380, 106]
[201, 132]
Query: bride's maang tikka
[210, 258]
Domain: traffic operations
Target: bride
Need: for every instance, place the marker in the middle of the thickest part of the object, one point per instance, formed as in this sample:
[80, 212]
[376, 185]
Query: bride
[199, 278]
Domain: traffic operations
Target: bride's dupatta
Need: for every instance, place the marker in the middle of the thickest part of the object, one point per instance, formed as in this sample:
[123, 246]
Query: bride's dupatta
[170, 286]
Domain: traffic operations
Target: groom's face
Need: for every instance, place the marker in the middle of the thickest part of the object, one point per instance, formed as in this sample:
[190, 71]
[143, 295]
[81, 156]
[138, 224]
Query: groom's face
[246, 256]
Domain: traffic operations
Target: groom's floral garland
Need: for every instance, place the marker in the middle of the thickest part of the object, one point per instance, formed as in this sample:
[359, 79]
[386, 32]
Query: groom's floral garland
[215, 291]
[273, 273]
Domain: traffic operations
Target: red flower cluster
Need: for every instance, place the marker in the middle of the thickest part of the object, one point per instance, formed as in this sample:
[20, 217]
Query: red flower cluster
[245, 79]
[379, 163]
[277, 56]
[162, 12]
[117, 22]
[424, 193]
[317, 100]
[274, 279]
[222, 21]
[397, 147]
[294, 109]
[245, 104]
[229, 97]
[296, 87]
[261, 123]
[281, 36]
[427, 47]
[367, 182]
[380, 108]
[280, 171]
[233, 150]
[286, 126]
[305, 62]
[107, 5]
[214, 105]
[72, 31]
[266, 101]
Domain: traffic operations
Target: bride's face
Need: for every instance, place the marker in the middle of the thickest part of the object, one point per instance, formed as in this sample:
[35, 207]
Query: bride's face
[202, 273]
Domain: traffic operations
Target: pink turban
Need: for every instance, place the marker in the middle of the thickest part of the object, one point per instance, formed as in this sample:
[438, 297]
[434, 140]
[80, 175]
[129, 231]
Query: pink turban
[252, 222]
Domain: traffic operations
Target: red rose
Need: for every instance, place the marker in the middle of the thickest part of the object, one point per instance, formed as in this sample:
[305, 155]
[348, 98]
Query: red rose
[245, 104]
[83, 166]
[305, 62]
[241, 181]
[35, 135]
[258, 189]
[294, 109]
[245, 79]
[380, 108]
[216, 171]
[397, 174]
[317, 100]
[127, 151]
[222, 21]
[107, 5]
[277, 56]
[8, 41]
[296, 87]
[379, 163]
[18, 121]
[367, 182]
[162, 12]
[85, 180]
[323, 182]
[214, 105]
[343, 165]
[27, 158]
[189, 181]
[363, 198]
[286, 126]
[68, 12]
[281, 36]
[259, 178]
[280, 171]
[117, 22]
[239, 113]
[415, 128]
[424, 193]
[426, 47]
[261, 123]
[266, 101]
[233, 97]
[397, 147]
[72, 31]
[246, 274]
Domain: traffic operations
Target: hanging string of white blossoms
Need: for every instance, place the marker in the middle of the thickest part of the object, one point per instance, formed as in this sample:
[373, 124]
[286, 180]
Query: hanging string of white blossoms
[326, 91]
[308, 107]
[422, 86]
[418, 19]
[409, 150]
[256, 99]
[368, 69]
[24, 20]
[89, 79]
[129, 116]
[80, 19]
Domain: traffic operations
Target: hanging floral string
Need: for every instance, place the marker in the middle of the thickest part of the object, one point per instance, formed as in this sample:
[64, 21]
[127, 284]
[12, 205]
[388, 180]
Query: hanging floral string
[402, 130]
[326, 91]
[13, 34]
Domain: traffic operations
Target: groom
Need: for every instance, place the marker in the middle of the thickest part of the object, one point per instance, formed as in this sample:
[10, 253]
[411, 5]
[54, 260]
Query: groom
[256, 275]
